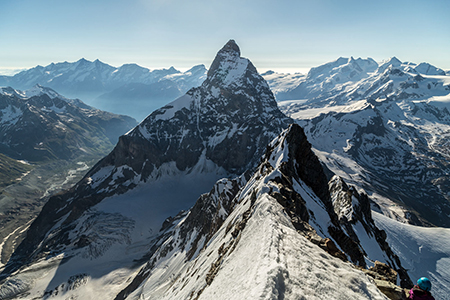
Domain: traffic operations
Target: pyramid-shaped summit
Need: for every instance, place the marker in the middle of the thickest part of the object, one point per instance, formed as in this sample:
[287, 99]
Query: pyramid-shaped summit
[229, 67]
[229, 52]
[229, 118]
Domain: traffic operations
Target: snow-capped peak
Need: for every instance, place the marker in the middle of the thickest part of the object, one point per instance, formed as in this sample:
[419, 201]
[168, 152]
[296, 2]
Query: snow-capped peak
[9, 91]
[39, 90]
[392, 62]
[36, 90]
[228, 66]
[428, 69]
[198, 68]
[342, 68]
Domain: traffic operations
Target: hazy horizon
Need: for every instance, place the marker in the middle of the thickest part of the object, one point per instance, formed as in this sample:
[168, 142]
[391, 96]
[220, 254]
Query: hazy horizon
[14, 71]
[287, 35]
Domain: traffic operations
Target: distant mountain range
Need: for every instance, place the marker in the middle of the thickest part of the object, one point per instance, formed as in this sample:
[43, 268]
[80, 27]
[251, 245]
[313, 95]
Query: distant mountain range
[129, 89]
[345, 78]
[384, 127]
[136, 91]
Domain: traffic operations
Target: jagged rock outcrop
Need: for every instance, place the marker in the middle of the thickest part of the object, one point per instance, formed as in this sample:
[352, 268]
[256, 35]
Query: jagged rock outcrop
[345, 207]
[282, 175]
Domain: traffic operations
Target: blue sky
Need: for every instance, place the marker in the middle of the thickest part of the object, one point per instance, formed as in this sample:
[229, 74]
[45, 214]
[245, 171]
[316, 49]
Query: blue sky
[274, 34]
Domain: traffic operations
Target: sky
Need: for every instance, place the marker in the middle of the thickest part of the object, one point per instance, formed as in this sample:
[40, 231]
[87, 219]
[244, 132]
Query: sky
[285, 36]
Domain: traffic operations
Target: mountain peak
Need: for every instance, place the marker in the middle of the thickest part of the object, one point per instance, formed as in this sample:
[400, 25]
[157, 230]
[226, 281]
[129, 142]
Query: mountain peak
[231, 47]
[394, 61]
[83, 60]
[229, 54]
[229, 68]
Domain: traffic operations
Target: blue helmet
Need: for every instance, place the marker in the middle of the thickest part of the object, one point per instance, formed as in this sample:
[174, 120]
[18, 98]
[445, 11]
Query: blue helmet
[424, 283]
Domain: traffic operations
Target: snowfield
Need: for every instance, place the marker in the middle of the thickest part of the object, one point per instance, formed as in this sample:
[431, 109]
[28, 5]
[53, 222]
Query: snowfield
[273, 261]
[423, 252]
[270, 260]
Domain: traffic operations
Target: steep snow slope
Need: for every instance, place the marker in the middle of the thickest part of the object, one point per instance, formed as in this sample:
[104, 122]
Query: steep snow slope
[268, 260]
[423, 251]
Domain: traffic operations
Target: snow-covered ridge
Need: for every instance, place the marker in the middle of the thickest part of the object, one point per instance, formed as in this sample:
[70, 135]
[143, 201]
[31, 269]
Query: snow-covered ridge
[392, 123]
[38, 90]
[238, 246]
[358, 79]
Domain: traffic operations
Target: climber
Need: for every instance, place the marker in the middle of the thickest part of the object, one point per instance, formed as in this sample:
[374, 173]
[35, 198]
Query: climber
[421, 291]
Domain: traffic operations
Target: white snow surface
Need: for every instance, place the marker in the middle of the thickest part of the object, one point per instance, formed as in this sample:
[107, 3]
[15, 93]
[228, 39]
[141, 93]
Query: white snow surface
[314, 112]
[10, 115]
[270, 261]
[281, 82]
[150, 204]
[422, 251]
[170, 109]
[39, 90]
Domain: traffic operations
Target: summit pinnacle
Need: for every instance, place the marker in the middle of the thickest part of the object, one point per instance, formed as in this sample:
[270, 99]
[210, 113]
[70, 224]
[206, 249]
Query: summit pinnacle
[228, 64]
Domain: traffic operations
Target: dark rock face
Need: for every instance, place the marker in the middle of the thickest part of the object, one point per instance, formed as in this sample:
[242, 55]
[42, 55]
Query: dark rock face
[352, 207]
[336, 197]
[231, 116]
[305, 166]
